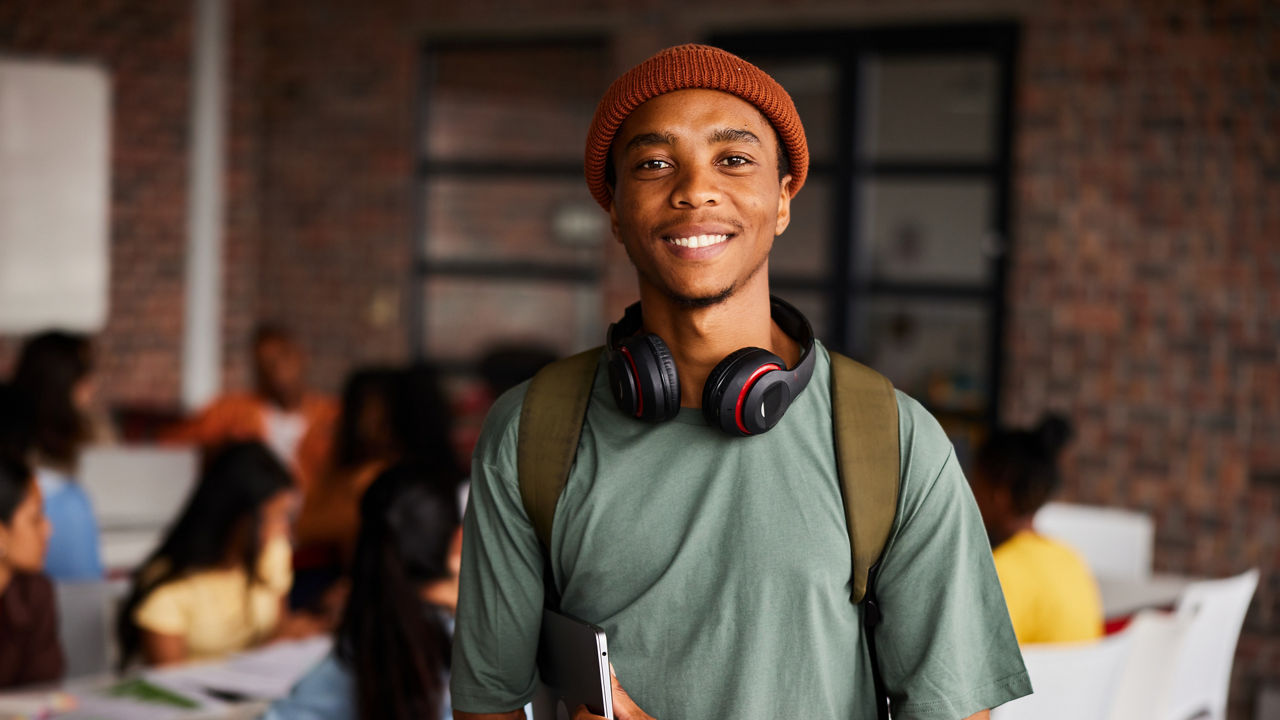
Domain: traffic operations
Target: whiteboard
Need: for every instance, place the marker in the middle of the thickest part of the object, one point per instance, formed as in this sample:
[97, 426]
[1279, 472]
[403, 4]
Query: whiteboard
[55, 139]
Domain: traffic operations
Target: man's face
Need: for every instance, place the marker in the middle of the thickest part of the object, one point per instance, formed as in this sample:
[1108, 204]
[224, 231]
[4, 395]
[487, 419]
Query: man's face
[698, 200]
[279, 368]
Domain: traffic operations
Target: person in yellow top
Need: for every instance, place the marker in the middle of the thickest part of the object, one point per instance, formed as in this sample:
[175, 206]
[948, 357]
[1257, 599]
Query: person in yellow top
[218, 582]
[1051, 594]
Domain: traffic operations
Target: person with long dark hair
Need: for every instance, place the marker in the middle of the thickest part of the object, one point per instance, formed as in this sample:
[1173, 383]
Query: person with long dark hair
[389, 415]
[29, 648]
[55, 374]
[217, 582]
[391, 650]
[366, 440]
[1051, 594]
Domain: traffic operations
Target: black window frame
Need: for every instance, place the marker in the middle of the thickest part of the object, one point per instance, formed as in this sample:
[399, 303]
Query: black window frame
[847, 48]
[428, 168]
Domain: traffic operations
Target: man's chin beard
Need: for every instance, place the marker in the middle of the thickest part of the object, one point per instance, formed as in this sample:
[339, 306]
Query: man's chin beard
[689, 302]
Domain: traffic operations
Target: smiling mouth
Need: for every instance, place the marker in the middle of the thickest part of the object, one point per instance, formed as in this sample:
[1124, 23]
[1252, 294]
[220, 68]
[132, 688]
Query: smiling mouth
[697, 241]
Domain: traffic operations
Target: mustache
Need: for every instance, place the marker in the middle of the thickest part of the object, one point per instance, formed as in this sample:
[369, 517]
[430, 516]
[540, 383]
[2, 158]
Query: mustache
[664, 229]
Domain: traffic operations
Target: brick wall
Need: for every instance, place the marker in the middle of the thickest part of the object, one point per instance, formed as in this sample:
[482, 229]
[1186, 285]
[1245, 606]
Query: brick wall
[337, 92]
[1145, 290]
[146, 47]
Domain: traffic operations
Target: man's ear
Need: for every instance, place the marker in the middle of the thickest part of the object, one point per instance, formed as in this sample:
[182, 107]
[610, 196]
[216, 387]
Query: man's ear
[784, 206]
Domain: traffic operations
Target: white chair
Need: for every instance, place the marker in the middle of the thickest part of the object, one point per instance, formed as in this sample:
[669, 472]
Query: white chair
[1180, 666]
[1143, 685]
[137, 491]
[1071, 681]
[1115, 543]
[1213, 612]
[86, 629]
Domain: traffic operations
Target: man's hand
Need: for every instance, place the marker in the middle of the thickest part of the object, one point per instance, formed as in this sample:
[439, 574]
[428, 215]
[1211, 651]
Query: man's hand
[624, 708]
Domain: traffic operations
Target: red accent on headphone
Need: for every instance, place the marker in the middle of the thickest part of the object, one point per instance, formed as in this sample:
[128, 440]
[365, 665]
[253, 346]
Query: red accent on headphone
[746, 387]
[635, 373]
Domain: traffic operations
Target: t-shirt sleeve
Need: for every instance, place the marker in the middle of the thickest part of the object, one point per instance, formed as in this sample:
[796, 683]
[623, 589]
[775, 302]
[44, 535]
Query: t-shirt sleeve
[164, 611]
[500, 594]
[947, 649]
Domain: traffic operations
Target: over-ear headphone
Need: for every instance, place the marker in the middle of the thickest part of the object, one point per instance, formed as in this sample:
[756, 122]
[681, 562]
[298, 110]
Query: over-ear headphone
[745, 394]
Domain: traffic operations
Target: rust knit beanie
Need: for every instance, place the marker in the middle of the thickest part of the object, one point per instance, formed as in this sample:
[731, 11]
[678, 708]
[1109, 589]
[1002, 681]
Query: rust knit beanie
[686, 67]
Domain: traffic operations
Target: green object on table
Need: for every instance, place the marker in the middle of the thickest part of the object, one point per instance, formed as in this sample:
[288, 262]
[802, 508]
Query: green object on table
[140, 689]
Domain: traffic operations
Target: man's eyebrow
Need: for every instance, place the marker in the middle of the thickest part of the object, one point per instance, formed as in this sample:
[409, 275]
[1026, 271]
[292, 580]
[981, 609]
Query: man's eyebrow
[728, 135]
[652, 138]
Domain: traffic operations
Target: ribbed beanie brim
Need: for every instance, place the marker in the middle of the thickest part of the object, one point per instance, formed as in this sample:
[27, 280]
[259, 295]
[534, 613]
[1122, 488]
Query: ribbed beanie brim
[686, 67]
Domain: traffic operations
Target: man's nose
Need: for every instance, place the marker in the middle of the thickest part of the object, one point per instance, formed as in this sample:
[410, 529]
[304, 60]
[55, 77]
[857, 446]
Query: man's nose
[696, 187]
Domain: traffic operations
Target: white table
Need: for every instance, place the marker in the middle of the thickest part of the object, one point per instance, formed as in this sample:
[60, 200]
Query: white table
[1125, 596]
[259, 676]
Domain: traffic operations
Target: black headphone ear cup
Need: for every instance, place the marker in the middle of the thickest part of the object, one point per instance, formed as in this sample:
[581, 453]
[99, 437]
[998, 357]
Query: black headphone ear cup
[624, 381]
[726, 383]
[643, 378]
[666, 392]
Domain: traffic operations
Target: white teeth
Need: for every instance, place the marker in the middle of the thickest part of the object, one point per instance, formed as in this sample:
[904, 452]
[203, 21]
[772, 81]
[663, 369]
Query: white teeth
[698, 241]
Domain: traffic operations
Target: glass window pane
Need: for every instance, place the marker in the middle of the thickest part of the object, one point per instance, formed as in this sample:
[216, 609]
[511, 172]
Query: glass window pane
[812, 85]
[514, 102]
[934, 108]
[547, 220]
[926, 231]
[466, 316]
[935, 351]
[804, 249]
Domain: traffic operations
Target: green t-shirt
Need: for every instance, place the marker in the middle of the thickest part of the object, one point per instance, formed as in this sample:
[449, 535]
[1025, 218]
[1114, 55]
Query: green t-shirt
[720, 568]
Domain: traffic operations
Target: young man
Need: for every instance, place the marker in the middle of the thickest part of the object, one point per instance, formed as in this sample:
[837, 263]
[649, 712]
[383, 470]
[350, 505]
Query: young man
[296, 424]
[719, 565]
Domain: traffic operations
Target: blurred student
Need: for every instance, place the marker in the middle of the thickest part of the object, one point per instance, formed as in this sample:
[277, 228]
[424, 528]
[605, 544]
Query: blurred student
[280, 412]
[1051, 594]
[391, 650]
[217, 583]
[29, 648]
[388, 415]
[365, 442]
[55, 374]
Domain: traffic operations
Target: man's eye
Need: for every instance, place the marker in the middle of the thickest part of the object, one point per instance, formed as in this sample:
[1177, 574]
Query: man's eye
[736, 161]
[654, 165]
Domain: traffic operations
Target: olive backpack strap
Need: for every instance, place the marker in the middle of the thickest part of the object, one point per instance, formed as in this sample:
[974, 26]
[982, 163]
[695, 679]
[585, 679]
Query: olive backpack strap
[555, 406]
[864, 411]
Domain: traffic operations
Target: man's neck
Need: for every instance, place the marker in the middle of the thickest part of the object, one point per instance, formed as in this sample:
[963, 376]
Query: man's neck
[699, 338]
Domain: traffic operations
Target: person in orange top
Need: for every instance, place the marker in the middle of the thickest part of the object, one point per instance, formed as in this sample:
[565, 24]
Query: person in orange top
[295, 423]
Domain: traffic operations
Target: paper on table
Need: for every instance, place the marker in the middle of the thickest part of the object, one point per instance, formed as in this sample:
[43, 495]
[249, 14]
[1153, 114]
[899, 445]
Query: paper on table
[263, 674]
[97, 705]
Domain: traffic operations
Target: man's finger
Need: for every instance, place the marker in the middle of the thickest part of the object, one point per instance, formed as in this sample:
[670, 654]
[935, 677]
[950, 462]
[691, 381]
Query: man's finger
[624, 708]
